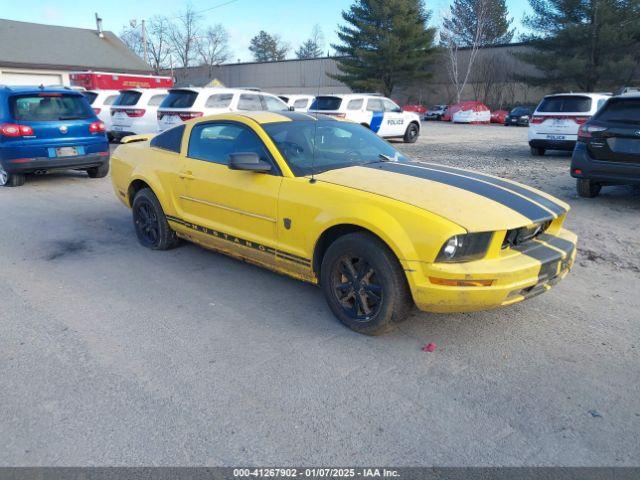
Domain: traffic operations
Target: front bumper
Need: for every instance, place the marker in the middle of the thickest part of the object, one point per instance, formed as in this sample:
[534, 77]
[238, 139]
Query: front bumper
[30, 165]
[604, 172]
[518, 274]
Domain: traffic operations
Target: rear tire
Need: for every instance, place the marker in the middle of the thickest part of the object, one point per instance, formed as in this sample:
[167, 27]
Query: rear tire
[152, 229]
[11, 179]
[411, 134]
[587, 188]
[98, 172]
[537, 152]
[364, 284]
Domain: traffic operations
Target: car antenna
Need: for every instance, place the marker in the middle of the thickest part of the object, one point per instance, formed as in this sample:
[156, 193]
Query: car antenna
[315, 126]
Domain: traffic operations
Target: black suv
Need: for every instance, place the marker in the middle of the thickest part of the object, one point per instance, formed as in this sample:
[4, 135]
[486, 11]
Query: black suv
[519, 116]
[608, 148]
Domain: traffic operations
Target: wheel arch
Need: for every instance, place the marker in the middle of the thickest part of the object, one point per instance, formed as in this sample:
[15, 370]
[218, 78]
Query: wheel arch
[334, 232]
[134, 187]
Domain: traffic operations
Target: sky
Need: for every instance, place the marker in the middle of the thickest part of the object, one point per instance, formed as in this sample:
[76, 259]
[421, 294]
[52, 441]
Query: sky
[293, 20]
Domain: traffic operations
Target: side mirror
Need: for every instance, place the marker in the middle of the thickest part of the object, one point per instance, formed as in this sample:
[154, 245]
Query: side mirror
[249, 162]
[292, 108]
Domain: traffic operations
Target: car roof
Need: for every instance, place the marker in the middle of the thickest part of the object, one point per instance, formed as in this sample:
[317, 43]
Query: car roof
[24, 89]
[580, 94]
[264, 117]
[352, 95]
[218, 90]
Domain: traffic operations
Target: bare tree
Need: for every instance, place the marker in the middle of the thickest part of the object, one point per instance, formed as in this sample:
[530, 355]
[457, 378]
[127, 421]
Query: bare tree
[213, 47]
[183, 34]
[158, 43]
[459, 75]
[131, 36]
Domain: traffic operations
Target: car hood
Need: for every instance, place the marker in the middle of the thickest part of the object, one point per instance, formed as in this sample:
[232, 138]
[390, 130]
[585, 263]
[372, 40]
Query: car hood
[473, 200]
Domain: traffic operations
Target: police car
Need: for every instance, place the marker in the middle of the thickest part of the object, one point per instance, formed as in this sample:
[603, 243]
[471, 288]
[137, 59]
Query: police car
[378, 113]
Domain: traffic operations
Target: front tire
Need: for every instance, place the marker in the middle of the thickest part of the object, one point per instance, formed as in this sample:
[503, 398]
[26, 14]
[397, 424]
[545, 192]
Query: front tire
[152, 229]
[11, 179]
[537, 152]
[364, 284]
[587, 188]
[100, 171]
[411, 135]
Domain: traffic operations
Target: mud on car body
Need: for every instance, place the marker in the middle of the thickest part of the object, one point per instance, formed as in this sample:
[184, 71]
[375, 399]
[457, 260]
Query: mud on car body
[329, 202]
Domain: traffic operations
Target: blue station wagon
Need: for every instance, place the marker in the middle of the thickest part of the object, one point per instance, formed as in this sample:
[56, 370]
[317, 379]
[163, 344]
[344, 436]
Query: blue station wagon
[43, 129]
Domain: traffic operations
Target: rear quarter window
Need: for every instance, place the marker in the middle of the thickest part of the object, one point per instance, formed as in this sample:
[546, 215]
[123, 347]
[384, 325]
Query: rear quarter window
[156, 100]
[565, 104]
[326, 103]
[300, 103]
[355, 104]
[219, 100]
[170, 140]
[90, 96]
[49, 107]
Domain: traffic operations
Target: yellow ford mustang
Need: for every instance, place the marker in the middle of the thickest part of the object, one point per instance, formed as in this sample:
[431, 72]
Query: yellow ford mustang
[329, 202]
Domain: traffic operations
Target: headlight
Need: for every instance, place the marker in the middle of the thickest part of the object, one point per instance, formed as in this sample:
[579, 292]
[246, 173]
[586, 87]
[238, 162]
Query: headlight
[464, 248]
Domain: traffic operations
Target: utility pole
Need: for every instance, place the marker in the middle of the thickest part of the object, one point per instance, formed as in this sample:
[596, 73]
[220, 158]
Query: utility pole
[144, 42]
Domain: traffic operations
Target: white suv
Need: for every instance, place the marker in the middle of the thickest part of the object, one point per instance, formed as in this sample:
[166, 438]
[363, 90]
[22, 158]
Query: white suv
[101, 101]
[378, 113]
[555, 123]
[134, 112]
[185, 103]
[300, 103]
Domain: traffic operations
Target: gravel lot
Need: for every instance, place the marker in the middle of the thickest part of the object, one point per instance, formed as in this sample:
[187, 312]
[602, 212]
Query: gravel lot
[115, 355]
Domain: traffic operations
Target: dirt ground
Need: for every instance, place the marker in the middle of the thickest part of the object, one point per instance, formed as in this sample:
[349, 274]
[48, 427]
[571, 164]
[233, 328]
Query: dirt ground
[112, 354]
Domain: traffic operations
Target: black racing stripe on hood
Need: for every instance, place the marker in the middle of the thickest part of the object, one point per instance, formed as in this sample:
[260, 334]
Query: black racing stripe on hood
[544, 201]
[523, 206]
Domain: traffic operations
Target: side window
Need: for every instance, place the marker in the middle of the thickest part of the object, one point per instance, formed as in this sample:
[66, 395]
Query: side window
[300, 103]
[249, 101]
[390, 106]
[214, 142]
[109, 100]
[219, 100]
[601, 102]
[273, 104]
[156, 100]
[375, 105]
[355, 104]
[170, 140]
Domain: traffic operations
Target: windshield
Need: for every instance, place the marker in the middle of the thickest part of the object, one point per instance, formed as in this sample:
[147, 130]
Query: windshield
[47, 107]
[621, 110]
[337, 145]
[127, 98]
[521, 111]
[179, 99]
[565, 104]
[326, 103]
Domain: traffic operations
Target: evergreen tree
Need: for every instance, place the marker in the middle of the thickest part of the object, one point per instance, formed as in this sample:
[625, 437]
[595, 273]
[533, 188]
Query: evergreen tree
[384, 43]
[268, 48]
[588, 44]
[461, 26]
[312, 48]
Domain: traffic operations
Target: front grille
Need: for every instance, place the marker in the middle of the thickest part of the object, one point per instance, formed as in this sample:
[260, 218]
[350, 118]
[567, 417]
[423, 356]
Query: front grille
[519, 236]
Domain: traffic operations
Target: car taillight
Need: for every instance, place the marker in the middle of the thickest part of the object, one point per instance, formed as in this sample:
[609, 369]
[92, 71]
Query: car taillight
[585, 131]
[97, 127]
[581, 120]
[189, 115]
[15, 130]
[135, 112]
[536, 120]
[97, 111]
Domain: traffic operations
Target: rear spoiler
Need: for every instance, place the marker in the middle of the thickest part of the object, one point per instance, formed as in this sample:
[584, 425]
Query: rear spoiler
[137, 138]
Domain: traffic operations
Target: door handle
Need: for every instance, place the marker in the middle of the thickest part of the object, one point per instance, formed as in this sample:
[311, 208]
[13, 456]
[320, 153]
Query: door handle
[187, 175]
